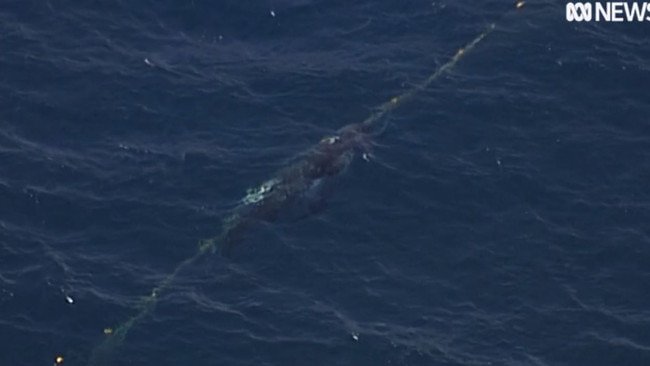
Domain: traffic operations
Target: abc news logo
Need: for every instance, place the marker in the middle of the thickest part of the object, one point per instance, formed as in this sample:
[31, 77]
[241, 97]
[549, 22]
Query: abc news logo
[608, 12]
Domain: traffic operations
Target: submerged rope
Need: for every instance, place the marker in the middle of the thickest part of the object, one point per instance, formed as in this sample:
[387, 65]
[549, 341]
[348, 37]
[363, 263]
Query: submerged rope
[102, 353]
[396, 101]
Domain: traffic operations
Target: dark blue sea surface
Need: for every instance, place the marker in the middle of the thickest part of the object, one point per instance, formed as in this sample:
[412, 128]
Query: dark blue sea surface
[504, 217]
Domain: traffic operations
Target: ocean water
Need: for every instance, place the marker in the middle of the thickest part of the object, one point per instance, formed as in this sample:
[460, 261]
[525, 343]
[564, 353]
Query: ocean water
[503, 219]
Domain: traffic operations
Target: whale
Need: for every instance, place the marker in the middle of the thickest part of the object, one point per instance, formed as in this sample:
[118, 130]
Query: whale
[298, 190]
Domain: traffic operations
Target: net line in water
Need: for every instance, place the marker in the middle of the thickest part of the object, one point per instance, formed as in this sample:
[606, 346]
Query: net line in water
[104, 352]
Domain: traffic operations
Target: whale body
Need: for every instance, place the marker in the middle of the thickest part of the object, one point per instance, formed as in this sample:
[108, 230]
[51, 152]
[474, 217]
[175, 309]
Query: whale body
[299, 186]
